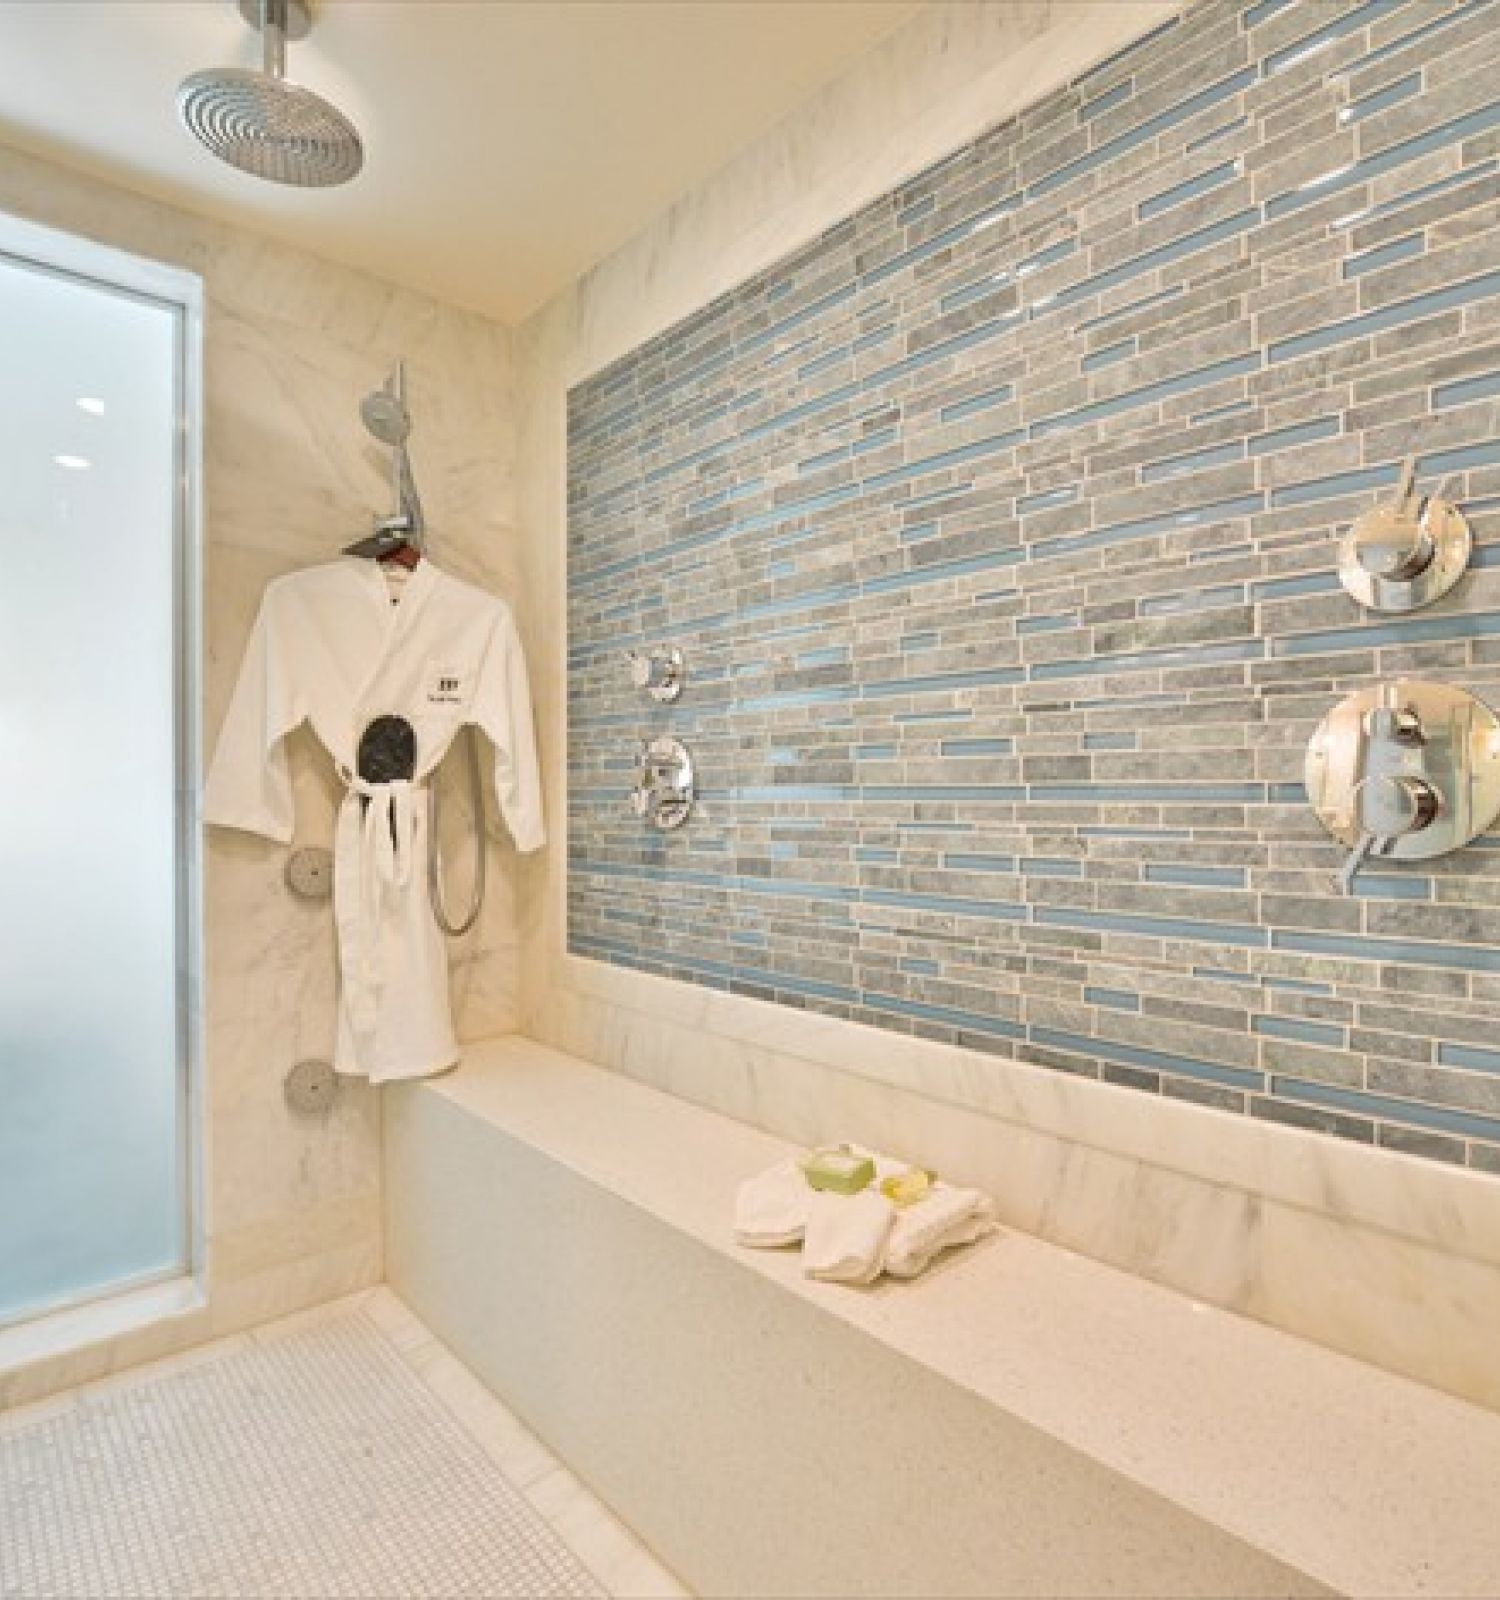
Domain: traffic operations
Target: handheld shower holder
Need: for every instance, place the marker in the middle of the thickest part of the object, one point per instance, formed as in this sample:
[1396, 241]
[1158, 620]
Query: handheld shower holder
[388, 421]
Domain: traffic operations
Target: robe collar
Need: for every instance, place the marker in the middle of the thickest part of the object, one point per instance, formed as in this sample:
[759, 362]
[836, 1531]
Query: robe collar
[424, 576]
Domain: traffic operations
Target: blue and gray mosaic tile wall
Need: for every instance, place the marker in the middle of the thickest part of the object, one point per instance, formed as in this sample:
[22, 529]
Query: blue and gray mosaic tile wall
[998, 525]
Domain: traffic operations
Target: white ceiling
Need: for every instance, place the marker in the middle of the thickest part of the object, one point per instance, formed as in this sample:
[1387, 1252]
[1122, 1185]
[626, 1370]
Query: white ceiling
[509, 143]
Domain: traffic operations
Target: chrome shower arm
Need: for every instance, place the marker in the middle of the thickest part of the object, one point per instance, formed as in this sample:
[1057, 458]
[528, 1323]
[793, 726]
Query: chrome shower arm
[273, 37]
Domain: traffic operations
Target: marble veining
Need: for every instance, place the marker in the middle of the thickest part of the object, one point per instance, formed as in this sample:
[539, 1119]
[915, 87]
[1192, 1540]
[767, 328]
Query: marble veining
[1374, 1254]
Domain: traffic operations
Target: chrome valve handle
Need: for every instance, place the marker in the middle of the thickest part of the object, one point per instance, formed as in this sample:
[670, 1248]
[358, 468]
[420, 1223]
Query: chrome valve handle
[1404, 771]
[1402, 554]
[660, 673]
[1391, 542]
[1389, 807]
[665, 783]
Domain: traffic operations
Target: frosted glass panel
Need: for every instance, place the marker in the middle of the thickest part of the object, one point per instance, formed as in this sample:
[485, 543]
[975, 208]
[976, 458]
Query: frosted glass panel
[90, 1119]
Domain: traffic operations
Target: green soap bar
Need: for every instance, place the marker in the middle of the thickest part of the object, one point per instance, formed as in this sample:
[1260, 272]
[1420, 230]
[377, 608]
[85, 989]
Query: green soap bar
[839, 1171]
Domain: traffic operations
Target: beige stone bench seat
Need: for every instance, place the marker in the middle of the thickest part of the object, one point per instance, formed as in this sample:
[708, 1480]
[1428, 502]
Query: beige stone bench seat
[1023, 1420]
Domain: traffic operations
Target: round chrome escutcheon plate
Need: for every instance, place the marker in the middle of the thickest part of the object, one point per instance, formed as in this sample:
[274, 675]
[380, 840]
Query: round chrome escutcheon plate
[1433, 531]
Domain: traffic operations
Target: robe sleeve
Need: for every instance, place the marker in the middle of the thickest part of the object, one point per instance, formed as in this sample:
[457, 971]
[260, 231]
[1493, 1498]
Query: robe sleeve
[502, 709]
[249, 781]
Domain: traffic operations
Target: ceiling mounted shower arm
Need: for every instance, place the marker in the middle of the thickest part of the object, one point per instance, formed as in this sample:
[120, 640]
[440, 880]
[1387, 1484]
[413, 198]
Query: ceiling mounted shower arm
[291, 19]
[273, 38]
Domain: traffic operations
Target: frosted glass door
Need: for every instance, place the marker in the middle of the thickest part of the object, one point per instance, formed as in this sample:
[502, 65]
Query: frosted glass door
[91, 1117]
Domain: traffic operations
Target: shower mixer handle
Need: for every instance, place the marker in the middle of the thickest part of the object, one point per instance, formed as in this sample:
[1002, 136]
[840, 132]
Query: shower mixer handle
[1406, 551]
[1344, 877]
[1388, 804]
[1394, 542]
[1388, 808]
[1398, 723]
[1404, 771]
[665, 783]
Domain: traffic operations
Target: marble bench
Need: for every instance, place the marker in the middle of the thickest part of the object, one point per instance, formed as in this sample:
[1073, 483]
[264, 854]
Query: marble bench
[1022, 1421]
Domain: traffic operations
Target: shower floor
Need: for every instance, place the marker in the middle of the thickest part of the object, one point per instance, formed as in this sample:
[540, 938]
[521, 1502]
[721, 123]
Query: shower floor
[341, 1453]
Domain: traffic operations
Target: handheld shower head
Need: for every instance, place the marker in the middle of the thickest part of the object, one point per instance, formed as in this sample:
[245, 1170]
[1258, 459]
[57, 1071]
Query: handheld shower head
[388, 421]
[262, 124]
[385, 416]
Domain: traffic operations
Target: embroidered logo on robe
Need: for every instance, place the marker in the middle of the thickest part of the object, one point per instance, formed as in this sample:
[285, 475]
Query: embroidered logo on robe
[445, 687]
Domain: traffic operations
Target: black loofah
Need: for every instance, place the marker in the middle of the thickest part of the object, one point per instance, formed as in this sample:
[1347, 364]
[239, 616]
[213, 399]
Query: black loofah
[387, 750]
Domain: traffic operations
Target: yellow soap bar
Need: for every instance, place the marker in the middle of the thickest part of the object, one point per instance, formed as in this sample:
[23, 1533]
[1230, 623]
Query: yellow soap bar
[906, 1188]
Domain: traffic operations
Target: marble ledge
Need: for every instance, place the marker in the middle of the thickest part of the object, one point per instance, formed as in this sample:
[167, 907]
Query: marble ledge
[1401, 1298]
[1457, 1210]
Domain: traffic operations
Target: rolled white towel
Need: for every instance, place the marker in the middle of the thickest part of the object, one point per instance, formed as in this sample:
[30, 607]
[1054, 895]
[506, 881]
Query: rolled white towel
[770, 1209]
[854, 1238]
[847, 1236]
[946, 1217]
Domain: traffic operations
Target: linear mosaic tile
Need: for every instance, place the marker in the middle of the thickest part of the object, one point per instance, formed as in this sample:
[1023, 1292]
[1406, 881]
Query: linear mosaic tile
[997, 525]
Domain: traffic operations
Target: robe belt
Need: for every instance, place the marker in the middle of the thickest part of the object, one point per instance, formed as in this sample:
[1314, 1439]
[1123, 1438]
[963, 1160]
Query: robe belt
[375, 847]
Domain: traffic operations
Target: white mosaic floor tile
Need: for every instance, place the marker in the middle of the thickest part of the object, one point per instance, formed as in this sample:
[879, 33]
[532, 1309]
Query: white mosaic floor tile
[312, 1464]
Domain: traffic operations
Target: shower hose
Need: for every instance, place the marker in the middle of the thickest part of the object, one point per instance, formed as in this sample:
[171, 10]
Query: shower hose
[435, 886]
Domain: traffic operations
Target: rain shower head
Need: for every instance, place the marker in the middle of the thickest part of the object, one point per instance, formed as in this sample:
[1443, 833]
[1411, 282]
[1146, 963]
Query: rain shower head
[262, 124]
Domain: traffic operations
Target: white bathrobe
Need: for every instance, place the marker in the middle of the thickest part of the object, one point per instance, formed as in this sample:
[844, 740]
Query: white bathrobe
[331, 649]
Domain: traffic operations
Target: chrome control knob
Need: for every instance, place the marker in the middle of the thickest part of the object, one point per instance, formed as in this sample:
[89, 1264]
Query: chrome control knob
[1407, 552]
[659, 673]
[665, 785]
[1390, 543]
[1389, 807]
[1393, 805]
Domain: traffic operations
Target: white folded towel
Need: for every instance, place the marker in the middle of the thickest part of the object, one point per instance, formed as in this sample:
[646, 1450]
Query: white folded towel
[770, 1209]
[847, 1235]
[946, 1217]
[854, 1238]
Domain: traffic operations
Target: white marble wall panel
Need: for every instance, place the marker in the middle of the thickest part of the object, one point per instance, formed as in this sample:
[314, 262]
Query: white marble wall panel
[292, 1210]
